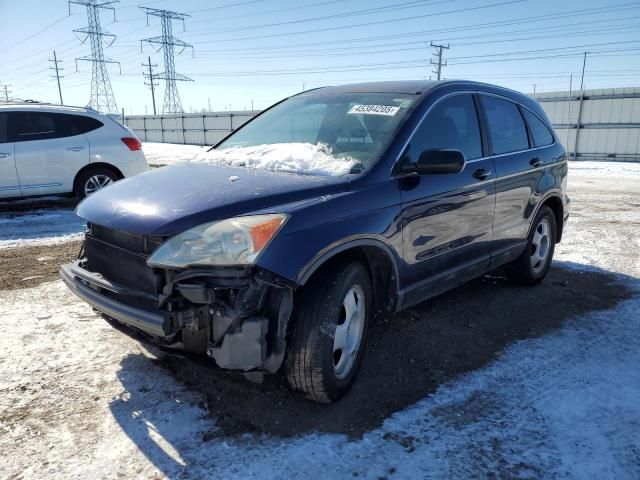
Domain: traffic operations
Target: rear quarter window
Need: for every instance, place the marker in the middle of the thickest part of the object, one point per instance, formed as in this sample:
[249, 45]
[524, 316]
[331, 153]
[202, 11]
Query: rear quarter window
[81, 124]
[540, 133]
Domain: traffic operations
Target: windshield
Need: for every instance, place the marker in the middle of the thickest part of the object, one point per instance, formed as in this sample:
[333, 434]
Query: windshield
[323, 134]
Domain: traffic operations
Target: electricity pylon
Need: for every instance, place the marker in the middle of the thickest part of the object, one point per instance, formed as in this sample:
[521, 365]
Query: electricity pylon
[102, 98]
[168, 42]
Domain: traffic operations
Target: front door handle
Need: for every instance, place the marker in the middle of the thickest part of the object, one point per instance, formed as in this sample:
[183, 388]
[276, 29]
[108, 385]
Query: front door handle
[481, 173]
[4, 155]
[75, 149]
[535, 162]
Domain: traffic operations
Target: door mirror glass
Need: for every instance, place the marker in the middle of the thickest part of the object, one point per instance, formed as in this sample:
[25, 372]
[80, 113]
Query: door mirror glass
[438, 161]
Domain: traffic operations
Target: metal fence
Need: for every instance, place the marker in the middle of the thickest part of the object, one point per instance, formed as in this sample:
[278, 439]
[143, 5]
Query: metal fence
[188, 128]
[599, 124]
[602, 124]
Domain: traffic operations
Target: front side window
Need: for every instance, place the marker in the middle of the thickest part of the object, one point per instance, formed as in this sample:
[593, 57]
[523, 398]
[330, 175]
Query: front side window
[506, 126]
[539, 131]
[451, 124]
[321, 134]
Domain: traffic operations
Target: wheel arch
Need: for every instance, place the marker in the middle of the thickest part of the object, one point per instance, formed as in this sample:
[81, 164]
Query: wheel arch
[554, 202]
[375, 255]
[94, 165]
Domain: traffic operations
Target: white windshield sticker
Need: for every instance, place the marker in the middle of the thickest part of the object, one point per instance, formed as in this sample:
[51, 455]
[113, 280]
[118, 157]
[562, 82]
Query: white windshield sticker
[387, 110]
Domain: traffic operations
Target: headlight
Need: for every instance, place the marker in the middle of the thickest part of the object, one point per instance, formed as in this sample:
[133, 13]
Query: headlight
[236, 241]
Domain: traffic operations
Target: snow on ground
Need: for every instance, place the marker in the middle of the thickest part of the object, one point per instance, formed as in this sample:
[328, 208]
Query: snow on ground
[285, 157]
[39, 227]
[78, 399]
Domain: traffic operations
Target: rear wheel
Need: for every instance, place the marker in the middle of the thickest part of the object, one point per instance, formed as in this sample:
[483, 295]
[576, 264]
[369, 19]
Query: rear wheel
[328, 333]
[534, 263]
[94, 179]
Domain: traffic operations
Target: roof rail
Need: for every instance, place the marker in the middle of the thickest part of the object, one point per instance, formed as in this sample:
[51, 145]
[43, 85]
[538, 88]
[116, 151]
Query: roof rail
[38, 102]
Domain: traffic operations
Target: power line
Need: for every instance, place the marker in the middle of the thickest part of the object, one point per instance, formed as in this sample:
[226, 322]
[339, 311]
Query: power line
[229, 5]
[431, 33]
[102, 98]
[365, 11]
[168, 43]
[265, 12]
[57, 69]
[379, 22]
[35, 34]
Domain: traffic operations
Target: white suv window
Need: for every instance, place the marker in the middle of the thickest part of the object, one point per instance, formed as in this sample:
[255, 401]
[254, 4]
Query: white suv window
[25, 126]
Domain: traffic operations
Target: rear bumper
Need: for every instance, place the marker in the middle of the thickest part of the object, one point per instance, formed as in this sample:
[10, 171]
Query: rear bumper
[87, 286]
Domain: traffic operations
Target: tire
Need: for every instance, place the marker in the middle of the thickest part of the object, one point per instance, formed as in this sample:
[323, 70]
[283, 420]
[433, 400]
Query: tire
[532, 265]
[98, 176]
[313, 366]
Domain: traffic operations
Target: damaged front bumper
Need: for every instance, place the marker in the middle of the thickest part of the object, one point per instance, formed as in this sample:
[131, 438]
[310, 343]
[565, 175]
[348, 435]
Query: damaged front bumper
[238, 317]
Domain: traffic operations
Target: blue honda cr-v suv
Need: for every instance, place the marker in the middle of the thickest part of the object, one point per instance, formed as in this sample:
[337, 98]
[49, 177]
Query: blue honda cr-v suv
[277, 248]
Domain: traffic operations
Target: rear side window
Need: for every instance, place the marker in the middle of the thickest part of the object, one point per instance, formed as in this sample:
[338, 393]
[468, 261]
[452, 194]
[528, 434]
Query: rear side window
[507, 130]
[540, 133]
[3, 127]
[452, 123]
[80, 124]
[26, 126]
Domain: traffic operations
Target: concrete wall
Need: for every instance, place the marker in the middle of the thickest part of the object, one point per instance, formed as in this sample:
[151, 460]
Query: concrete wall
[606, 122]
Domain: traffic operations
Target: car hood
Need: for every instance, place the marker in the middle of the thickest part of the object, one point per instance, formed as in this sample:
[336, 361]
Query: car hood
[172, 199]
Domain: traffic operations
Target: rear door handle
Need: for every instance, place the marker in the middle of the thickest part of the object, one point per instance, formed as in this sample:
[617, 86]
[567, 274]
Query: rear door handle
[4, 155]
[535, 162]
[75, 149]
[481, 173]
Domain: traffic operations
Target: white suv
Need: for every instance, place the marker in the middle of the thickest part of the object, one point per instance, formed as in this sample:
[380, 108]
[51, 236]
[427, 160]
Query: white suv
[49, 149]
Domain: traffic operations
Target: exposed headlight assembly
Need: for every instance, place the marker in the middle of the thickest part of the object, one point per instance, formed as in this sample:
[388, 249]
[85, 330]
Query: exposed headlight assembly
[235, 241]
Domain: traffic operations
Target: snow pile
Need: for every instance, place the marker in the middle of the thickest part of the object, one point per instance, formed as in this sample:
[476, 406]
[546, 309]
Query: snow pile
[304, 158]
[160, 154]
[40, 227]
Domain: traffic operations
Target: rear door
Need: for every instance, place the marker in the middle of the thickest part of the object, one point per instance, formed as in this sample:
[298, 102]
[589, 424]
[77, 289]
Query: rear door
[520, 180]
[48, 151]
[9, 184]
[447, 218]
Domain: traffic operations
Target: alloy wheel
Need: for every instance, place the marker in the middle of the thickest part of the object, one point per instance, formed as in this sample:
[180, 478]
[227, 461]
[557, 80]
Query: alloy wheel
[96, 182]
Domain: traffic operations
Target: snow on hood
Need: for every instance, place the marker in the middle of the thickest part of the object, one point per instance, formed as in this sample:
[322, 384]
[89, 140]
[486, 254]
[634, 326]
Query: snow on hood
[304, 158]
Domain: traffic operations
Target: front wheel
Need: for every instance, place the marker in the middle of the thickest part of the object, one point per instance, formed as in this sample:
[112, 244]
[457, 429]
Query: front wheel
[328, 333]
[534, 263]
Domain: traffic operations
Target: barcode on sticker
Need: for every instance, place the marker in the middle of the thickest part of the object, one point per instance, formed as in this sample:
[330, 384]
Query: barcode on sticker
[374, 110]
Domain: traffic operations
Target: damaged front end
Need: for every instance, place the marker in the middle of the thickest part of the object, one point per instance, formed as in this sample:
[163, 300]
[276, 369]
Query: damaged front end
[237, 315]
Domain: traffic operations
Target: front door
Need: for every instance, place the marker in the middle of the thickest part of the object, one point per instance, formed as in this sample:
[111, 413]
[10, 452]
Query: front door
[447, 218]
[47, 154]
[9, 184]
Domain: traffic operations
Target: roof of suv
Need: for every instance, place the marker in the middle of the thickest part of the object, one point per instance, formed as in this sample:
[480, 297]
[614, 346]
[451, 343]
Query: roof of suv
[45, 106]
[400, 86]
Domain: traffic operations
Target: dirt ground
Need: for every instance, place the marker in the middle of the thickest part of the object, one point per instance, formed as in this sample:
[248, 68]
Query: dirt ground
[31, 266]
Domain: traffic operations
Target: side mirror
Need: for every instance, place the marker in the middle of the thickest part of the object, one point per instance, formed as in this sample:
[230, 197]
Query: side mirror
[437, 161]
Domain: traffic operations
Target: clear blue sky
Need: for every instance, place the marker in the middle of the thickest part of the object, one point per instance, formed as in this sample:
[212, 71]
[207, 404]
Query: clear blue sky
[262, 50]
